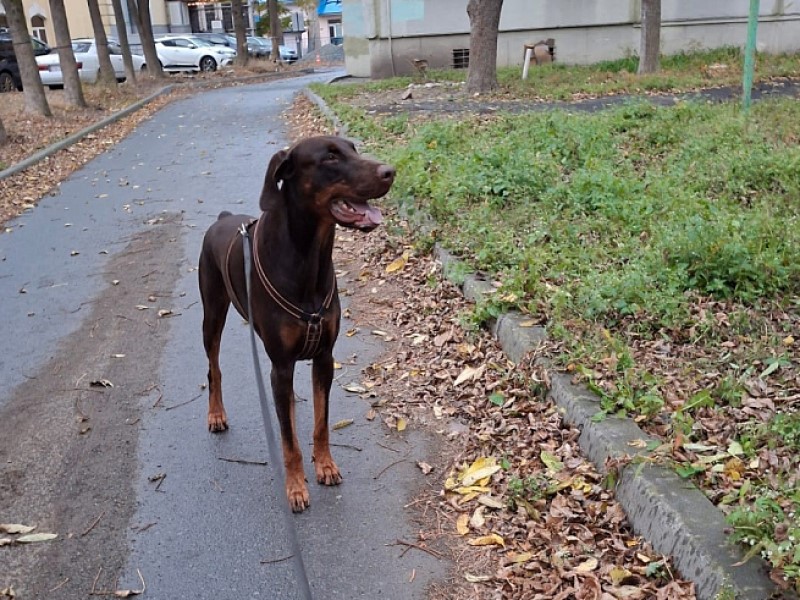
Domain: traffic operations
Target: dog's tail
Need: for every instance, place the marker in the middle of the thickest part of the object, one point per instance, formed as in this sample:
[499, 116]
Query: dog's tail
[224, 213]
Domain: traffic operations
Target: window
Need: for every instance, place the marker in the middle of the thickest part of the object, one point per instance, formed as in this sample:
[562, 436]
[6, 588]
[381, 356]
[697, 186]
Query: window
[37, 27]
[335, 31]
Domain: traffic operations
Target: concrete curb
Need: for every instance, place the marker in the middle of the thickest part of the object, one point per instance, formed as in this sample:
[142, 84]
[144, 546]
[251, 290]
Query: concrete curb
[76, 137]
[340, 127]
[668, 511]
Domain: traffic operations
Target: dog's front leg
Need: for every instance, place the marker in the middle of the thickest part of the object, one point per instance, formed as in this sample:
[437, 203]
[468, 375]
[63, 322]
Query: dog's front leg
[322, 375]
[282, 379]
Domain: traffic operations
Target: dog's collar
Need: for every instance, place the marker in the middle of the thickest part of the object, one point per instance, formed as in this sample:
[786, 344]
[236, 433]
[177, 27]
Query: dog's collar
[313, 320]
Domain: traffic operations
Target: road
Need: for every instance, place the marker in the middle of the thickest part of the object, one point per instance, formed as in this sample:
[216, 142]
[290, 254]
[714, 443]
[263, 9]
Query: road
[103, 437]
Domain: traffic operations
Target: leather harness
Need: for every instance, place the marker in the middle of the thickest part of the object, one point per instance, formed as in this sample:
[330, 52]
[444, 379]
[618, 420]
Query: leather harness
[313, 321]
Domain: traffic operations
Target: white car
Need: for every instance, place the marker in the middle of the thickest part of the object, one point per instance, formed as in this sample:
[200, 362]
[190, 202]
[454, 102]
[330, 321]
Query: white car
[85, 51]
[188, 53]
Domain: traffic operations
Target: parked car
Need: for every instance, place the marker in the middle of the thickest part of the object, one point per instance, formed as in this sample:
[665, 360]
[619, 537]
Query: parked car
[287, 54]
[257, 47]
[9, 69]
[85, 51]
[189, 53]
[218, 39]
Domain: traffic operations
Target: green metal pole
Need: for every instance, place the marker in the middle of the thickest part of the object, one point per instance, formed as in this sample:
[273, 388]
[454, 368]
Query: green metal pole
[750, 54]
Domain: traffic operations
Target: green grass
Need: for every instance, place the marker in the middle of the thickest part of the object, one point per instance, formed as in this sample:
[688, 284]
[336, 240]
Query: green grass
[625, 226]
[557, 81]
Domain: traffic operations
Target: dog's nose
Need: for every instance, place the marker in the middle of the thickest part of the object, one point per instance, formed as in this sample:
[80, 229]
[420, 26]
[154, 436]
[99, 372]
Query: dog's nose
[386, 172]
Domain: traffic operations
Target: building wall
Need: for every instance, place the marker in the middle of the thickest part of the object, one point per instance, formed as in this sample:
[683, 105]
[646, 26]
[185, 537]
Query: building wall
[384, 37]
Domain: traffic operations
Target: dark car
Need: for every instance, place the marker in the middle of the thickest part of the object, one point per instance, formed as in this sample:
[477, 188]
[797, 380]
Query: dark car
[218, 39]
[9, 69]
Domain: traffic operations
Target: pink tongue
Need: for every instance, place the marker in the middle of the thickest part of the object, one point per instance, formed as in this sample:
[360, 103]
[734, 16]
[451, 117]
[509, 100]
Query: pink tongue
[373, 215]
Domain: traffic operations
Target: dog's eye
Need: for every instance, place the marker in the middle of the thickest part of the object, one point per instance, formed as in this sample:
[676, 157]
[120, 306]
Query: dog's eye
[331, 156]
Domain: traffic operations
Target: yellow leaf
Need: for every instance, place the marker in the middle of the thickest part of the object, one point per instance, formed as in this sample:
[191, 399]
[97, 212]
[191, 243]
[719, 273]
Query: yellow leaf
[619, 574]
[551, 461]
[482, 468]
[587, 566]
[472, 489]
[401, 424]
[342, 424]
[450, 483]
[521, 557]
[487, 540]
[397, 264]
[462, 524]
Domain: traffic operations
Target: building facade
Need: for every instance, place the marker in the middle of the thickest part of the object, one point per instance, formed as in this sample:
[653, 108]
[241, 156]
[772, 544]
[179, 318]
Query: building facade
[385, 37]
[180, 16]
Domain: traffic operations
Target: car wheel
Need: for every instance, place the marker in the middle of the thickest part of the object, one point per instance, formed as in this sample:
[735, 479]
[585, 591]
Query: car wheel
[207, 64]
[7, 82]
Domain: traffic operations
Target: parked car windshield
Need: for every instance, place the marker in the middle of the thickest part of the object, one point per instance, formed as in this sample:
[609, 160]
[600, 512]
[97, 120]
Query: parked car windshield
[200, 42]
[81, 46]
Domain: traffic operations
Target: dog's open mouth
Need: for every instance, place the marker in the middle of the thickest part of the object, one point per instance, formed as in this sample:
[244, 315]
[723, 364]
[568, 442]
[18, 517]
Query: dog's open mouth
[352, 213]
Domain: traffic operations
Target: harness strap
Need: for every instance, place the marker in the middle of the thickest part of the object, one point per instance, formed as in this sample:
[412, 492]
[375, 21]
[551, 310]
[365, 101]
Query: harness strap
[313, 321]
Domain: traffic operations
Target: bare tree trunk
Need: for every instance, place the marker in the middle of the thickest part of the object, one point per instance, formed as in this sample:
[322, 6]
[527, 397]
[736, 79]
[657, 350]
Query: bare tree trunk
[140, 13]
[650, 45]
[309, 7]
[122, 35]
[35, 100]
[241, 33]
[274, 31]
[313, 31]
[484, 21]
[106, 75]
[3, 134]
[73, 90]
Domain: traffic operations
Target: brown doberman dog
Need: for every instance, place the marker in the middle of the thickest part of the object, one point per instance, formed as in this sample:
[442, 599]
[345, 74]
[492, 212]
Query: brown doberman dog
[310, 188]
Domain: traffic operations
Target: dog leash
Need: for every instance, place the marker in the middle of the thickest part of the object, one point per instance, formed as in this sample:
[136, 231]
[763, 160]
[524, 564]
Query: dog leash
[272, 446]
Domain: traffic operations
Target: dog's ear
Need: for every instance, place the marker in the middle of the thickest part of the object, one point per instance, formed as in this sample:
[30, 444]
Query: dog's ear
[280, 168]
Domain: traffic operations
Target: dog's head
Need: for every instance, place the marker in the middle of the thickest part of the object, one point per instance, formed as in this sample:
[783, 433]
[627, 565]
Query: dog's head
[327, 178]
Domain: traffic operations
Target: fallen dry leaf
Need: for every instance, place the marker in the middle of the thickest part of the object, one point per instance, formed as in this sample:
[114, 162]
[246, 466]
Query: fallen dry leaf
[487, 540]
[16, 528]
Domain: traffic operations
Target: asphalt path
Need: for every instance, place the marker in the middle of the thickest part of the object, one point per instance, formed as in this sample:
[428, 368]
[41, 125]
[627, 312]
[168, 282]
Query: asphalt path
[128, 476]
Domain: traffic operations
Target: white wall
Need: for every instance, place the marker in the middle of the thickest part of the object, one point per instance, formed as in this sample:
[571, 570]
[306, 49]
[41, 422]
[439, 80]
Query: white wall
[383, 37]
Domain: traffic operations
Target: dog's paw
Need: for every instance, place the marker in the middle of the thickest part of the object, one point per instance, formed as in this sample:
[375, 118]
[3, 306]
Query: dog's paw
[327, 472]
[299, 499]
[217, 422]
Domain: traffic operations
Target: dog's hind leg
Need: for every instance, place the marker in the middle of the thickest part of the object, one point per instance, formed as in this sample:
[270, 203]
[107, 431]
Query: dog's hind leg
[325, 467]
[215, 311]
[282, 379]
